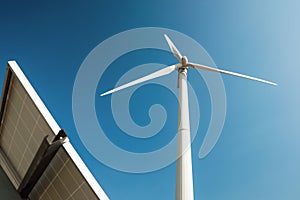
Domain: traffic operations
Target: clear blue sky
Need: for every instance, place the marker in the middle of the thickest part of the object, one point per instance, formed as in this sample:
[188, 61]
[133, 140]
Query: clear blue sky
[257, 156]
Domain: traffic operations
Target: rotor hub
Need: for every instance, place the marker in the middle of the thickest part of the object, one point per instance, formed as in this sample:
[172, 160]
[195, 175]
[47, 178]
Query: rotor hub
[184, 61]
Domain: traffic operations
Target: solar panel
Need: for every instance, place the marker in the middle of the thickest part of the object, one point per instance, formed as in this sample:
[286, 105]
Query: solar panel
[25, 123]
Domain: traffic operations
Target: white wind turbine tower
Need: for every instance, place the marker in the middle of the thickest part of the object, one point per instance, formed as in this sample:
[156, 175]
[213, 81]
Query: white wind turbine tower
[184, 174]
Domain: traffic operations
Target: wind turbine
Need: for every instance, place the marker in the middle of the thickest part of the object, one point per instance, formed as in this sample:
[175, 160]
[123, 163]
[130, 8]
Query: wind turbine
[184, 174]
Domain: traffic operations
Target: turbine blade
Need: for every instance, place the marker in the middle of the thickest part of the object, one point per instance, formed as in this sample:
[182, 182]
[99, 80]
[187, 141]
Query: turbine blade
[203, 67]
[156, 74]
[173, 48]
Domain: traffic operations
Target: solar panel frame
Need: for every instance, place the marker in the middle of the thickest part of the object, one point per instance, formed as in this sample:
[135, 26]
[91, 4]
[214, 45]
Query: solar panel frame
[14, 73]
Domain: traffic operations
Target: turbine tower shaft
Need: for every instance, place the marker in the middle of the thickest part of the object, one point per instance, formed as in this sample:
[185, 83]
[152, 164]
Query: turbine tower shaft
[184, 172]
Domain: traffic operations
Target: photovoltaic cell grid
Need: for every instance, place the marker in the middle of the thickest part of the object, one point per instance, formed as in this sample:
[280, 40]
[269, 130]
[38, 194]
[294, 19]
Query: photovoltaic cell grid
[62, 181]
[22, 130]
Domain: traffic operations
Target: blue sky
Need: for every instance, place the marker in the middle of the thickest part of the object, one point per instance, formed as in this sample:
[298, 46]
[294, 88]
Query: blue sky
[257, 155]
